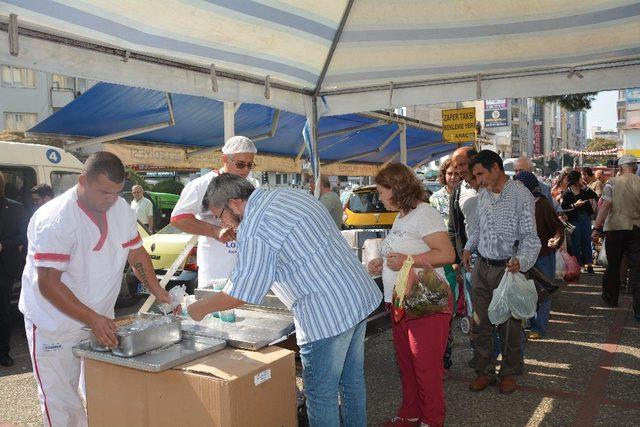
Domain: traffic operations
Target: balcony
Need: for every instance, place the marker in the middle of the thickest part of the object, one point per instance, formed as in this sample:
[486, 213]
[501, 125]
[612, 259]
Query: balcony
[61, 97]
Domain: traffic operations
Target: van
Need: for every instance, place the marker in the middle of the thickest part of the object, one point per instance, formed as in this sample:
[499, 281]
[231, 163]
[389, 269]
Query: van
[25, 165]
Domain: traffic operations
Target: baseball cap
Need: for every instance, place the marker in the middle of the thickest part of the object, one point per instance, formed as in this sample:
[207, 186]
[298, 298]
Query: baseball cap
[627, 159]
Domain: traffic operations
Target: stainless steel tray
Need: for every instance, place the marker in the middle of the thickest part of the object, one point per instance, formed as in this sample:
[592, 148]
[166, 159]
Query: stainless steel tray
[161, 359]
[134, 343]
[252, 330]
[269, 300]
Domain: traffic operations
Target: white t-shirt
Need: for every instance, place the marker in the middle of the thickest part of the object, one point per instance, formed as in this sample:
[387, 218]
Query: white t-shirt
[406, 237]
[216, 260]
[64, 235]
[143, 208]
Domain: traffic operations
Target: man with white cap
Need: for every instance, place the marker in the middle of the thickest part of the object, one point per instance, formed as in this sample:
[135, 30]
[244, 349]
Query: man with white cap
[217, 251]
[619, 216]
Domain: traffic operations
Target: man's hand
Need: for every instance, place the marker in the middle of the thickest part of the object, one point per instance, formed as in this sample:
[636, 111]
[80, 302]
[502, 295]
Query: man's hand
[596, 234]
[105, 330]
[226, 235]
[162, 295]
[395, 260]
[466, 259]
[553, 242]
[513, 266]
[375, 266]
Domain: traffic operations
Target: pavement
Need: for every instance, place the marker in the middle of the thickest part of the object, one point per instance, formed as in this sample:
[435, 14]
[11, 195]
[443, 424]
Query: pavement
[586, 371]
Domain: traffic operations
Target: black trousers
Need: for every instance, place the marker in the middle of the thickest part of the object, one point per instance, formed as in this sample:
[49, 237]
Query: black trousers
[617, 244]
[6, 286]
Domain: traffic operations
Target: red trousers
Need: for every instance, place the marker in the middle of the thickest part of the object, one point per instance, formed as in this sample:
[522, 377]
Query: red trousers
[420, 345]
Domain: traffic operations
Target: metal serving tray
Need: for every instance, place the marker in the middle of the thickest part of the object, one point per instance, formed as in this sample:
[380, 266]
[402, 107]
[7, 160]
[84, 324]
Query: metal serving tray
[134, 343]
[252, 330]
[161, 359]
[269, 300]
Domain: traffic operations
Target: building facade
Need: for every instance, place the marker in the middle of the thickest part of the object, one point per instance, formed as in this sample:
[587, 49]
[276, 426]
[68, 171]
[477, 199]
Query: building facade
[29, 96]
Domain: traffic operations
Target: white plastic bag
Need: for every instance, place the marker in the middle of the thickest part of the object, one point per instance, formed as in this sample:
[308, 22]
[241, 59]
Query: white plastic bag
[561, 267]
[176, 294]
[515, 296]
[521, 296]
[602, 255]
[498, 308]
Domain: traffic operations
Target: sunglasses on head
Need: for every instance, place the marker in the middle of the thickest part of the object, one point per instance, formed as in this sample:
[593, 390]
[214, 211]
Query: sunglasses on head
[242, 165]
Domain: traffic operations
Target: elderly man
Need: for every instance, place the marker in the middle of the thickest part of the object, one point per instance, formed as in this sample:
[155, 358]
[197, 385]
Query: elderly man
[143, 207]
[507, 217]
[78, 246]
[620, 216]
[288, 242]
[524, 164]
[216, 253]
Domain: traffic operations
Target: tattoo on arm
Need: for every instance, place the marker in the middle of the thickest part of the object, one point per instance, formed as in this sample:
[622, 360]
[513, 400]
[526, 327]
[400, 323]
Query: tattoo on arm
[142, 275]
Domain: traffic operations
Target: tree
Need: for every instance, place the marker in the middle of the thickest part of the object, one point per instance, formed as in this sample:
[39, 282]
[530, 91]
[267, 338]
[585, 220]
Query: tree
[136, 179]
[573, 102]
[168, 185]
[600, 144]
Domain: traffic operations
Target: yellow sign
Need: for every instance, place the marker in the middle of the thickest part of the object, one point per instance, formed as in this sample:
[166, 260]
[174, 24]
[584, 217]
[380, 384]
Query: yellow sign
[459, 125]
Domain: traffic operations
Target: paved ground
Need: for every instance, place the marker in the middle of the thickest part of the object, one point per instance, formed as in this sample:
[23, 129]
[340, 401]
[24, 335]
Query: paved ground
[585, 372]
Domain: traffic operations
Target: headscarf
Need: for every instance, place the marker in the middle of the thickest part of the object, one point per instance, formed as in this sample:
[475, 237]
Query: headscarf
[530, 181]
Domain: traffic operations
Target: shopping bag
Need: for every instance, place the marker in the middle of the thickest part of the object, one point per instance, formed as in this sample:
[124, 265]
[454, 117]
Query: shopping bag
[561, 267]
[602, 255]
[572, 272]
[545, 286]
[498, 308]
[414, 297]
[521, 296]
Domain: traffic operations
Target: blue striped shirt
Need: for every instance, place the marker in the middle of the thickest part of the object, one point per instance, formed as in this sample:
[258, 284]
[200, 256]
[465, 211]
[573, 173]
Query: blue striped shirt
[287, 241]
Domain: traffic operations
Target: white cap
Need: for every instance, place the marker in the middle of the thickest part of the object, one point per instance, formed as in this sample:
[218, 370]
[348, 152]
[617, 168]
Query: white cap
[627, 159]
[239, 144]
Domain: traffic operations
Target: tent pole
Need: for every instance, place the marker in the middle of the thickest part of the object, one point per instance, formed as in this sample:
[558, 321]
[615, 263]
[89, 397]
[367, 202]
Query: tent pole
[229, 120]
[314, 146]
[403, 144]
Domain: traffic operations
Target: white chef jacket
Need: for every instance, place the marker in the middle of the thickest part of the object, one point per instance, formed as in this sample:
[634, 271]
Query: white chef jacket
[64, 235]
[216, 260]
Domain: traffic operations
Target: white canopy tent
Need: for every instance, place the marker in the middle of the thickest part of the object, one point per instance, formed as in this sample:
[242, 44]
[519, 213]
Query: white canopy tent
[332, 57]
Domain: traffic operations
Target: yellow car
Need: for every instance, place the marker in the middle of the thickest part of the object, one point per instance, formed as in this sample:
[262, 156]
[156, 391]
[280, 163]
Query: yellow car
[363, 209]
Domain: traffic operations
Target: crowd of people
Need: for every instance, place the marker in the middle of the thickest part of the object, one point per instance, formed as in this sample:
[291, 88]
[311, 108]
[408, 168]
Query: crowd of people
[479, 226]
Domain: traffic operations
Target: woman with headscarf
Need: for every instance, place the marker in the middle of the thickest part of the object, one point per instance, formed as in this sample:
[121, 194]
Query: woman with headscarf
[576, 202]
[551, 233]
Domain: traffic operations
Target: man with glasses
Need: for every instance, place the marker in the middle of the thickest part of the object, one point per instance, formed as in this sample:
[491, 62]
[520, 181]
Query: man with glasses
[217, 251]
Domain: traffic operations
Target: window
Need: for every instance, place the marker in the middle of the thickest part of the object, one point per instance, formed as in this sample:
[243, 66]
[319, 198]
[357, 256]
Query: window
[62, 82]
[18, 77]
[62, 181]
[20, 122]
[18, 184]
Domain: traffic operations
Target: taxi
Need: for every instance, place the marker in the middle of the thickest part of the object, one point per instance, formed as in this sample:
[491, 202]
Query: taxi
[363, 209]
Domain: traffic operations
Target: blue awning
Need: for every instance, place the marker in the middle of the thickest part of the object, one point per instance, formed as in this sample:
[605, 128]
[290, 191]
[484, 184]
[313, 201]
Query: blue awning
[109, 108]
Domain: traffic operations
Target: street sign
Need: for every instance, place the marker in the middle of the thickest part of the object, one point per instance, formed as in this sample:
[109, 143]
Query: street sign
[459, 125]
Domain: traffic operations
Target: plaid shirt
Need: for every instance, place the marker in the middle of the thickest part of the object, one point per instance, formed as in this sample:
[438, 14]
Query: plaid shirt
[502, 220]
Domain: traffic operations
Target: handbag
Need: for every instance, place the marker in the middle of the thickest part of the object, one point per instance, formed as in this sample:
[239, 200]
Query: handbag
[545, 286]
[430, 294]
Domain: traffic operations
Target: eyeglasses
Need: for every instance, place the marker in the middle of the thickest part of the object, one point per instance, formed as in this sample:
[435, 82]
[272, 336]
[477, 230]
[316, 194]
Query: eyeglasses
[218, 217]
[242, 165]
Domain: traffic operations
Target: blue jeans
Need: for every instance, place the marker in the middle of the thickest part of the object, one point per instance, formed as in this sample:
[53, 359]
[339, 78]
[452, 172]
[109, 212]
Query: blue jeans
[581, 239]
[331, 366]
[547, 264]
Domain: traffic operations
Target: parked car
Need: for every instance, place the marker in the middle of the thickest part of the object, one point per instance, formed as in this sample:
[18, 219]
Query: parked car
[363, 209]
[163, 248]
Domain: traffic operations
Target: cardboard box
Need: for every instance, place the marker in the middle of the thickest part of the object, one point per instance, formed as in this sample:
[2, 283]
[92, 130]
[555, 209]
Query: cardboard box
[229, 388]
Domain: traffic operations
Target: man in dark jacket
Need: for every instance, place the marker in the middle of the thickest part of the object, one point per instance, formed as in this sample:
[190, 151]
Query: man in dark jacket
[12, 244]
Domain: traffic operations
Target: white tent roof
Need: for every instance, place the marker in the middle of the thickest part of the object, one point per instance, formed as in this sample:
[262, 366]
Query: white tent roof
[352, 55]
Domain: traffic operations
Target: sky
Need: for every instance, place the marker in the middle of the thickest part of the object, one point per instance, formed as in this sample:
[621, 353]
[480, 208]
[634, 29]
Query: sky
[603, 111]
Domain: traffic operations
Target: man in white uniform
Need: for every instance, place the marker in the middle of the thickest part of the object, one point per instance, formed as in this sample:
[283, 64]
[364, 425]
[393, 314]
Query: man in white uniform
[216, 246]
[78, 246]
[143, 207]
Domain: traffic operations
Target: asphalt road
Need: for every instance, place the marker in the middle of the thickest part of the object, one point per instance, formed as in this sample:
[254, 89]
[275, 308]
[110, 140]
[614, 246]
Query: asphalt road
[586, 371]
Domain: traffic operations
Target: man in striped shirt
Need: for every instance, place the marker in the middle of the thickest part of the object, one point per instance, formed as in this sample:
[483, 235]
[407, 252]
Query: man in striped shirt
[288, 242]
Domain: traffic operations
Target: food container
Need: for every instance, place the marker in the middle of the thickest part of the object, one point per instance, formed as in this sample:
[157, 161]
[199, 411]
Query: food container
[133, 341]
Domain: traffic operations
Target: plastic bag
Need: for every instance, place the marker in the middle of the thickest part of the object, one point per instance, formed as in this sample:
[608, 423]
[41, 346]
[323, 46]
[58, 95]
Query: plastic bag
[430, 295]
[572, 272]
[498, 308]
[561, 268]
[521, 296]
[176, 294]
[602, 255]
